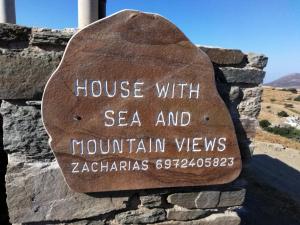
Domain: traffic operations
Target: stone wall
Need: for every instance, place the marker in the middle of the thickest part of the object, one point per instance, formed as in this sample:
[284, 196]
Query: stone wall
[35, 188]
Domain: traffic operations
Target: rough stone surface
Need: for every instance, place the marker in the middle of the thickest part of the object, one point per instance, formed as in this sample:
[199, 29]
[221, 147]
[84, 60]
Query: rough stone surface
[192, 200]
[224, 57]
[80, 222]
[242, 75]
[227, 218]
[23, 131]
[151, 201]
[257, 60]
[207, 199]
[250, 104]
[232, 198]
[249, 125]
[24, 74]
[252, 92]
[51, 38]
[14, 36]
[251, 107]
[235, 93]
[186, 200]
[37, 192]
[182, 214]
[141, 216]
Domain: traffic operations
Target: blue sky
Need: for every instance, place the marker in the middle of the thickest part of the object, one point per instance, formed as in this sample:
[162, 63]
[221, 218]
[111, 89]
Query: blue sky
[271, 27]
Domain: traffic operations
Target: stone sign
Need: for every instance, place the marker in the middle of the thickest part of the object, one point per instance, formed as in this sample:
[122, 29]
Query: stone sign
[134, 105]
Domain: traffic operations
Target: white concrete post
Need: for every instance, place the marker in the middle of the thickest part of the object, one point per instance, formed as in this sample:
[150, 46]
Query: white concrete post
[7, 11]
[88, 12]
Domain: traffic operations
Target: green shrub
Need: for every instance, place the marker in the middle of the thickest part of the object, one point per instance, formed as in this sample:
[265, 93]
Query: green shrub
[297, 98]
[273, 99]
[282, 114]
[268, 107]
[293, 90]
[288, 132]
[264, 123]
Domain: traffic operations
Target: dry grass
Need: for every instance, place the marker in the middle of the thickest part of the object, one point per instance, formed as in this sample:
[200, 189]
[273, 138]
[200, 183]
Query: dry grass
[272, 138]
[269, 111]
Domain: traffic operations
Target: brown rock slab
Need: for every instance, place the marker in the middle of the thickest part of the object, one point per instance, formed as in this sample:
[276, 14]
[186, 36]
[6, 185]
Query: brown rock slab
[134, 105]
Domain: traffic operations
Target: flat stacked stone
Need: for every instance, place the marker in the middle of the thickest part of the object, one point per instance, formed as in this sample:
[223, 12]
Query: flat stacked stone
[224, 57]
[239, 78]
[51, 39]
[37, 192]
[14, 36]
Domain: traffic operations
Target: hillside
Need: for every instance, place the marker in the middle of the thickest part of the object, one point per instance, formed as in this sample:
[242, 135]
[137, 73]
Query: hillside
[275, 100]
[288, 81]
[275, 165]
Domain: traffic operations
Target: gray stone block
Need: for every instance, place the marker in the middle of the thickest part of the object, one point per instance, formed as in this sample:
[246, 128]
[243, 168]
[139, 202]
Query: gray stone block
[248, 126]
[51, 38]
[247, 75]
[14, 36]
[224, 57]
[207, 199]
[234, 93]
[232, 198]
[250, 107]
[186, 200]
[24, 74]
[81, 222]
[252, 92]
[226, 218]
[257, 60]
[141, 216]
[182, 214]
[151, 201]
[192, 200]
[23, 131]
[38, 192]
[250, 104]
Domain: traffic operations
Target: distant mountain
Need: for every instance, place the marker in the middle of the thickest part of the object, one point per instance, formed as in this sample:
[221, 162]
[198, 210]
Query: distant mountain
[288, 81]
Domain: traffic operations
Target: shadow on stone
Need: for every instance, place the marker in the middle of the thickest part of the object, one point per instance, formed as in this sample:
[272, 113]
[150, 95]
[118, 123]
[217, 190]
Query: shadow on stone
[273, 196]
[224, 90]
[4, 218]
